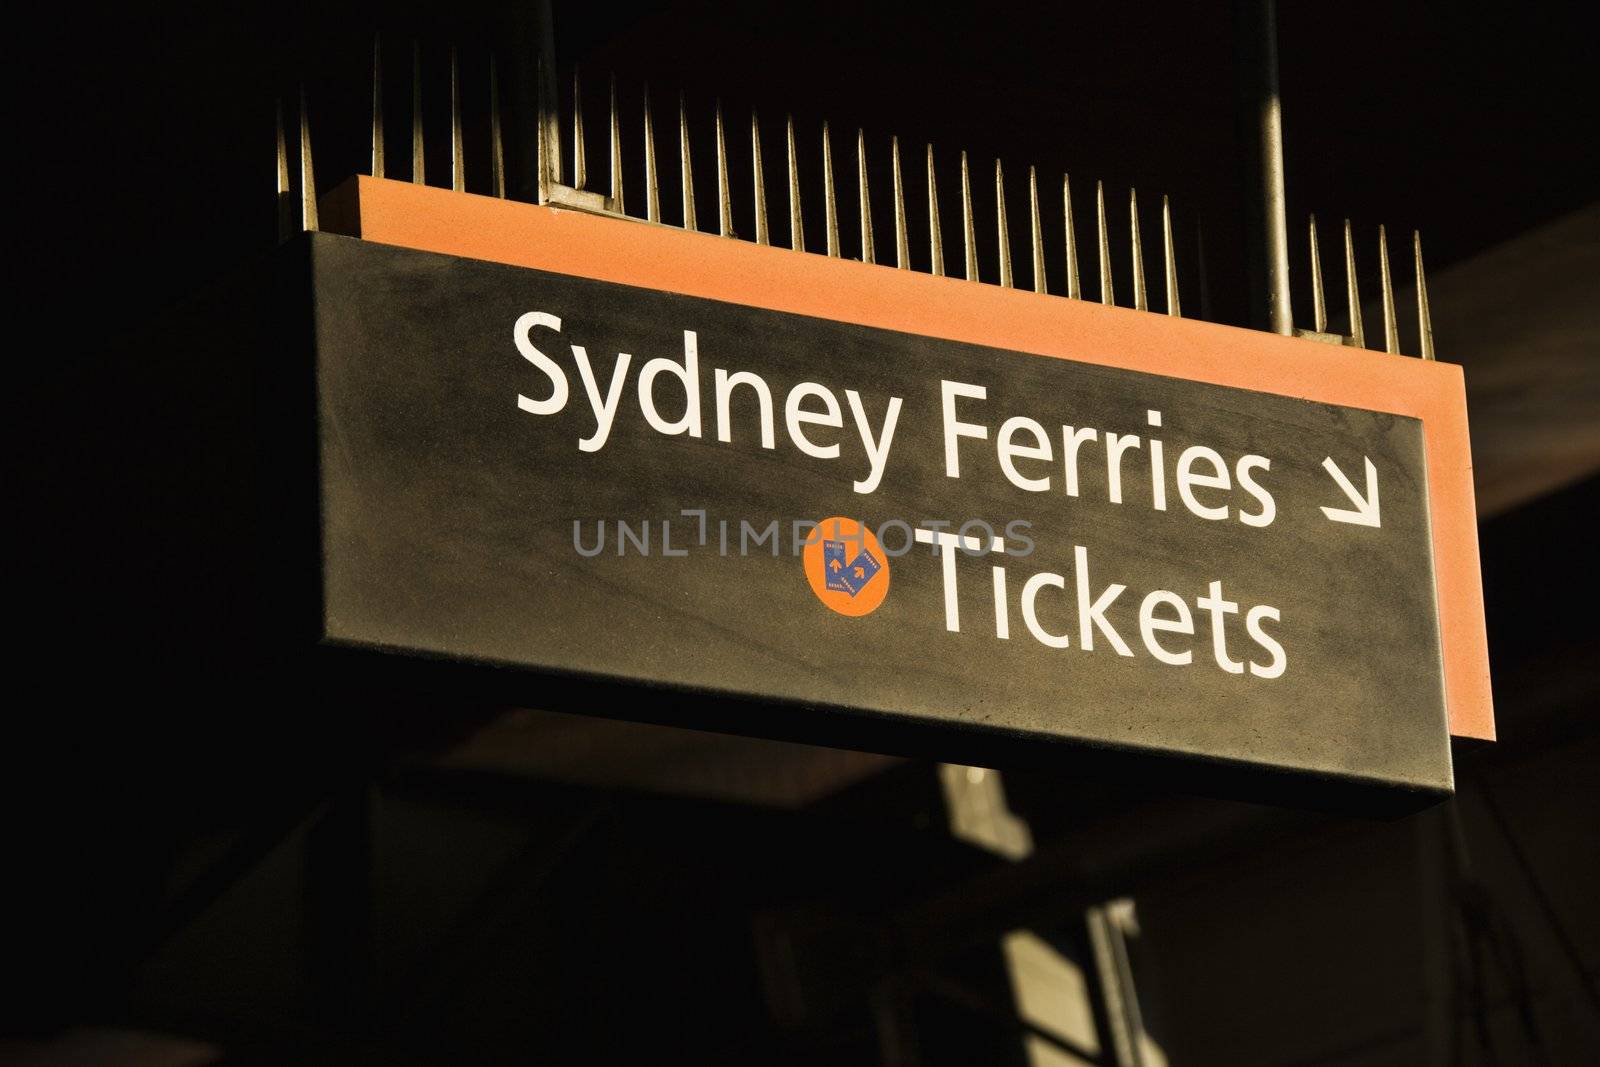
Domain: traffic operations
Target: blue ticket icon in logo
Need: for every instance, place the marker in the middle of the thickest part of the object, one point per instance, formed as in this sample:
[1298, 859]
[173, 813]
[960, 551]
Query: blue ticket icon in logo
[849, 577]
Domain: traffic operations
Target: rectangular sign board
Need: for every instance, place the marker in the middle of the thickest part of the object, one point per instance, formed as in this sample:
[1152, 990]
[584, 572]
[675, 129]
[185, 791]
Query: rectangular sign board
[582, 479]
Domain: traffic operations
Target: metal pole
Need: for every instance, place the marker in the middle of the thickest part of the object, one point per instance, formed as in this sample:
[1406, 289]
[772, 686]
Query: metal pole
[1274, 204]
[549, 157]
[1267, 109]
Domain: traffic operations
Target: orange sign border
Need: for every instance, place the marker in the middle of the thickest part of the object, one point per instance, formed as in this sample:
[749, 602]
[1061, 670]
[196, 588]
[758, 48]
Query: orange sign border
[669, 259]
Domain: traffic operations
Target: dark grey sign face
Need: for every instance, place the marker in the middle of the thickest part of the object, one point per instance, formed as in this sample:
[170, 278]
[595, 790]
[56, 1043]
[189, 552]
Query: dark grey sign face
[1181, 568]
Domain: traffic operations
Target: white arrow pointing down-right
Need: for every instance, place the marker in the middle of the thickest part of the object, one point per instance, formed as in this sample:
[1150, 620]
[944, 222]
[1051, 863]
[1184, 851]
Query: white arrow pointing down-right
[1365, 512]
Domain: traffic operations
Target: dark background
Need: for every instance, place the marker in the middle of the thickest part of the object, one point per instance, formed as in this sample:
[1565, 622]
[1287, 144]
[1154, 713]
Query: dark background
[1463, 121]
[210, 842]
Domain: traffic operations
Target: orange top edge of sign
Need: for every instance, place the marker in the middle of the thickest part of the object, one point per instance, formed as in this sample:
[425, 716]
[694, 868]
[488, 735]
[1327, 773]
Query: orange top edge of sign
[704, 265]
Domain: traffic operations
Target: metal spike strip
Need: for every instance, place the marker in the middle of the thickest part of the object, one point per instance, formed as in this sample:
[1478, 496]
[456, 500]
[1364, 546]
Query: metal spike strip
[616, 153]
[758, 176]
[724, 195]
[935, 238]
[830, 202]
[1002, 231]
[1074, 285]
[1039, 280]
[458, 155]
[497, 144]
[419, 160]
[285, 197]
[1319, 306]
[580, 163]
[968, 227]
[868, 245]
[686, 166]
[1391, 330]
[1424, 318]
[652, 178]
[797, 226]
[377, 107]
[1107, 286]
[308, 180]
[1141, 298]
[902, 243]
[869, 251]
[1352, 291]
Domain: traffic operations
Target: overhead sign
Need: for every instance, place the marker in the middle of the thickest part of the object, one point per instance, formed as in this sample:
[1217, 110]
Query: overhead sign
[858, 525]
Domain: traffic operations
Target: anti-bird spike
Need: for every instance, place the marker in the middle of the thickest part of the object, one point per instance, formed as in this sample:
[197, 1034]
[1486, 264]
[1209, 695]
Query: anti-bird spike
[419, 160]
[758, 176]
[616, 152]
[1039, 280]
[869, 251]
[902, 244]
[497, 144]
[285, 198]
[1141, 297]
[458, 155]
[968, 227]
[830, 201]
[1170, 260]
[935, 238]
[377, 107]
[1074, 284]
[580, 162]
[308, 180]
[1108, 293]
[1352, 291]
[1391, 329]
[1424, 318]
[1319, 306]
[686, 166]
[1002, 231]
[724, 195]
[652, 177]
[797, 225]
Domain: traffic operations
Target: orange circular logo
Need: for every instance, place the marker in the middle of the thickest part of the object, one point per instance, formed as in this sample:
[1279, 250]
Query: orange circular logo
[846, 567]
